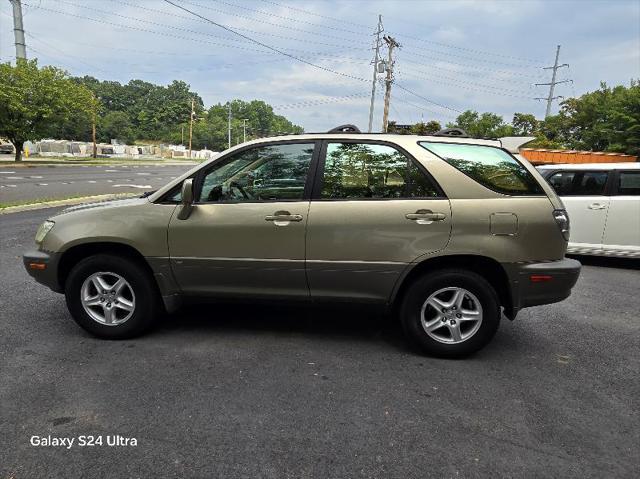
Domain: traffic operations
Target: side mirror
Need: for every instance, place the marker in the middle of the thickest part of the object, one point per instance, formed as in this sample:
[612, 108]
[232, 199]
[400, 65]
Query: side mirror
[187, 199]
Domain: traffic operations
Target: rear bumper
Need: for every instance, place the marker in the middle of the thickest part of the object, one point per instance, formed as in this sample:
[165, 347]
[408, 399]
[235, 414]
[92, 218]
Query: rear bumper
[43, 267]
[534, 284]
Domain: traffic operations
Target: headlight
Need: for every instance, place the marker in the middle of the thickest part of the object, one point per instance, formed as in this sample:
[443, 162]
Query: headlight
[43, 229]
[562, 219]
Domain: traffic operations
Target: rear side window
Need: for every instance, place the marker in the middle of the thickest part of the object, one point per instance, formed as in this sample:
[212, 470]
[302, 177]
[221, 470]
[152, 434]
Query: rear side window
[361, 170]
[491, 167]
[629, 183]
[579, 183]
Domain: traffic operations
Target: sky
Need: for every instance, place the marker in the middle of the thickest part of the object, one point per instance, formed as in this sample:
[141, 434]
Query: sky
[454, 55]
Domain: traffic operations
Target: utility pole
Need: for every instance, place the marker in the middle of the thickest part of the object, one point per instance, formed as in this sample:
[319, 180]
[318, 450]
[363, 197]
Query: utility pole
[376, 61]
[182, 135]
[229, 126]
[94, 153]
[553, 83]
[244, 129]
[391, 44]
[18, 30]
[193, 113]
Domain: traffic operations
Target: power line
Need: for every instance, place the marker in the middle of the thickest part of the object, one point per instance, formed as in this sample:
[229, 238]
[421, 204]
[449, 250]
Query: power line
[294, 57]
[474, 68]
[474, 86]
[165, 34]
[537, 63]
[289, 19]
[302, 40]
[322, 101]
[256, 20]
[300, 10]
[424, 98]
[48, 45]
[445, 45]
[473, 59]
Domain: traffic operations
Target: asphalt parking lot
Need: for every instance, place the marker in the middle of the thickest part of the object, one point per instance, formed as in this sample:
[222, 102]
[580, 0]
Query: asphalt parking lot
[242, 390]
[20, 183]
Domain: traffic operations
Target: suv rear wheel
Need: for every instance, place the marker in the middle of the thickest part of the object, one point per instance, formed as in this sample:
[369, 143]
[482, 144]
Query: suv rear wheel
[450, 313]
[111, 297]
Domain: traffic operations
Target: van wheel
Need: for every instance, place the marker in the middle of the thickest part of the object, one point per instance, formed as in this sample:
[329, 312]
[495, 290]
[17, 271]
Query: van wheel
[450, 313]
[111, 297]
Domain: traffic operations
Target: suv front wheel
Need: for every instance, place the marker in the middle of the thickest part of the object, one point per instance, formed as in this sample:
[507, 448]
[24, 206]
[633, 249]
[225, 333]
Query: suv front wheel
[450, 313]
[111, 297]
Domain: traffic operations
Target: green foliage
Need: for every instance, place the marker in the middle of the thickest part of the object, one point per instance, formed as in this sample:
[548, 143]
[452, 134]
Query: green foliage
[607, 119]
[115, 125]
[524, 124]
[485, 125]
[143, 111]
[33, 99]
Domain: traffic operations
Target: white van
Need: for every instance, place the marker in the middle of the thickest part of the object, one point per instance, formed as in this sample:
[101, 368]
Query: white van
[603, 202]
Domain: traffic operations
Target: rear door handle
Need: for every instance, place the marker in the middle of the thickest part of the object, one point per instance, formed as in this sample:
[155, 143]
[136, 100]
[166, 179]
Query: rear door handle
[597, 206]
[283, 218]
[425, 217]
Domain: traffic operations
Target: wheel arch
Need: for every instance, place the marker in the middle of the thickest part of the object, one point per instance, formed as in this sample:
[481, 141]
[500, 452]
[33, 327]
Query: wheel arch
[484, 266]
[81, 251]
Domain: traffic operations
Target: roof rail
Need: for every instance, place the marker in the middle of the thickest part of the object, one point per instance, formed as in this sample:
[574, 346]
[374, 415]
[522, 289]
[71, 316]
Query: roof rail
[453, 132]
[345, 129]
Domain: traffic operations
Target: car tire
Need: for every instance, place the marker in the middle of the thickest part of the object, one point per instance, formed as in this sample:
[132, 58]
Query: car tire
[111, 297]
[431, 312]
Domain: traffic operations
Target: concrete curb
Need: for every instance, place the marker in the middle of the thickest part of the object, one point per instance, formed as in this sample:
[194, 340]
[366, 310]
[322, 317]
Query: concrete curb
[67, 202]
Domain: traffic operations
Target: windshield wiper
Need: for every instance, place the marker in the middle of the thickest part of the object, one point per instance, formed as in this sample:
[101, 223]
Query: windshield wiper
[147, 193]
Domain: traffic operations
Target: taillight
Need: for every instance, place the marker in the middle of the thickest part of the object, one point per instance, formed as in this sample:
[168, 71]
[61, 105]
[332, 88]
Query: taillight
[562, 220]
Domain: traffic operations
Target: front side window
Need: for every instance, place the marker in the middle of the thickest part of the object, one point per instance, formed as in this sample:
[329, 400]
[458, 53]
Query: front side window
[579, 183]
[267, 173]
[629, 183]
[491, 167]
[360, 171]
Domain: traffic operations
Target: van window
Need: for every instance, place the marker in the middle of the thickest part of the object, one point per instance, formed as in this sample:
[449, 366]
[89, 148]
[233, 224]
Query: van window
[492, 167]
[629, 183]
[579, 183]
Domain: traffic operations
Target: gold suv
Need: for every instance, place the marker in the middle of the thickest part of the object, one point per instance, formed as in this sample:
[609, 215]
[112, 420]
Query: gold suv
[447, 231]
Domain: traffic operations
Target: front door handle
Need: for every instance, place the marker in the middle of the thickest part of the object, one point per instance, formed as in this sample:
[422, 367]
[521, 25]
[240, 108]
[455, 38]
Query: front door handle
[597, 206]
[425, 217]
[283, 218]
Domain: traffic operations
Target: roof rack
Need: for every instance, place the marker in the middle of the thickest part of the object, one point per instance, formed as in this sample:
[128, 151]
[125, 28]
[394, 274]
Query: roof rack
[452, 132]
[348, 128]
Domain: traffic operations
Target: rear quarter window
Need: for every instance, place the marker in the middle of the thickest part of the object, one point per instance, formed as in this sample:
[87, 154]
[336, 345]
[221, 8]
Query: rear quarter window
[492, 167]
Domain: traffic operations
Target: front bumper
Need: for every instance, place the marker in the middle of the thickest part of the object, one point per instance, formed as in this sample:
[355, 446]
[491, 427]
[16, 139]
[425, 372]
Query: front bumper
[533, 284]
[43, 267]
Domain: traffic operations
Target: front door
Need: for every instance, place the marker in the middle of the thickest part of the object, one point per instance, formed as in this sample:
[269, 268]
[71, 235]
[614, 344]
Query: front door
[374, 211]
[246, 232]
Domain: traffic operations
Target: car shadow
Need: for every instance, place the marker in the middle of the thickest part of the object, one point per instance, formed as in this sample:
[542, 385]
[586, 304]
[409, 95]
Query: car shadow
[608, 262]
[328, 322]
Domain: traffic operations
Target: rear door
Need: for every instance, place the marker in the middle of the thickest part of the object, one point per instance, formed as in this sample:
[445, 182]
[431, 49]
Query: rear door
[622, 232]
[374, 210]
[584, 194]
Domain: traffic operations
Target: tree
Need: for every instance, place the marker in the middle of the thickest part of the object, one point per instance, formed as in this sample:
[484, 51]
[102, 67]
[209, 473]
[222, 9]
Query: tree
[524, 124]
[487, 125]
[422, 128]
[33, 99]
[115, 125]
